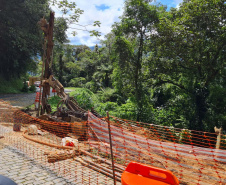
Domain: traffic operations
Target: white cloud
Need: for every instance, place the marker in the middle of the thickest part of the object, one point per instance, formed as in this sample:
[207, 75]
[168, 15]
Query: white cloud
[177, 2]
[107, 17]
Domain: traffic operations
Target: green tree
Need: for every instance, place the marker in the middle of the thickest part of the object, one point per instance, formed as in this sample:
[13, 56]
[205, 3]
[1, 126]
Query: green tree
[19, 35]
[102, 75]
[60, 38]
[132, 34]
[189, 51]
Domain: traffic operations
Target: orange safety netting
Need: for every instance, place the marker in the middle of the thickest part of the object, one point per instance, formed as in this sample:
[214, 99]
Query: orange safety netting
[190, 155]
[160, 146]
[78, 163]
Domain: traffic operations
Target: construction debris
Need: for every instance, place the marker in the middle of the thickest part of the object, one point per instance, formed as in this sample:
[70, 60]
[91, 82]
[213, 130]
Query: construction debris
[46, 117]
[67, 141]
[58, 156]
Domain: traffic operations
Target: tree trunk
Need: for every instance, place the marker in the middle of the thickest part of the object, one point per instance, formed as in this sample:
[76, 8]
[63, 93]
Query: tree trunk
[138, 89]
[201, 109]
[61, 68]
[47, 73]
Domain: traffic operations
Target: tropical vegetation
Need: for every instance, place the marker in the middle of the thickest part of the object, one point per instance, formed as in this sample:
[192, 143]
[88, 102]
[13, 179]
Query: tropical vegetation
[157, 65]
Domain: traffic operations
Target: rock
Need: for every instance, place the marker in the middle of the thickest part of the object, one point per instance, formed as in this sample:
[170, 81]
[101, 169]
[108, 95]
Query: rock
[32, 129]
[42, 133]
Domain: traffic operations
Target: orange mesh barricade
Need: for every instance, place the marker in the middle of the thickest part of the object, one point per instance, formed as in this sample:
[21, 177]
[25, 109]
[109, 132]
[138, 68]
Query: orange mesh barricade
[189, 154]
[137, 174]
[37, 96]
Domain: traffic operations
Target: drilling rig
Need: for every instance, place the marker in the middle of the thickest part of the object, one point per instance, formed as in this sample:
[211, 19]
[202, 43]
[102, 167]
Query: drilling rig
[67, 109]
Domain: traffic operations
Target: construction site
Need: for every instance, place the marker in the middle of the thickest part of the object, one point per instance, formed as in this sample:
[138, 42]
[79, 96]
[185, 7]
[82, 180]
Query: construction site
[85, 157]
[83, 147]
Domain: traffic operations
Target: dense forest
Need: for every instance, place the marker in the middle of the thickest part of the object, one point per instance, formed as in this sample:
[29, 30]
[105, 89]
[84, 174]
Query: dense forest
[157, 65]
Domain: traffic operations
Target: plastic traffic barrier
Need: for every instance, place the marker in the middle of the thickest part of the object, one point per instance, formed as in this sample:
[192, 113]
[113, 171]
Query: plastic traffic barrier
[37, 96]
[141, 174]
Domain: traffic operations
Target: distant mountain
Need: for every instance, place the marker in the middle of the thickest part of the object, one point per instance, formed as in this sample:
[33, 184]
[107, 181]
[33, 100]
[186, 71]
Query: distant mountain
[92, 47]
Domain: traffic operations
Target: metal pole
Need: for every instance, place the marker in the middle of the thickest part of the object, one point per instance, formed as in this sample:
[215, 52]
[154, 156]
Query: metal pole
[112, 157]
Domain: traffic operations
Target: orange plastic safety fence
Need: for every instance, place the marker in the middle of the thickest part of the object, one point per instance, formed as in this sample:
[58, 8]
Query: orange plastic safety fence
[80, 151]
[190, 155]
[61, 147]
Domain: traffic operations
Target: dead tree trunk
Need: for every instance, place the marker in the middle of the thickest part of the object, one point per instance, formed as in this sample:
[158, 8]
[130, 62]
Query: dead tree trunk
[48, 71]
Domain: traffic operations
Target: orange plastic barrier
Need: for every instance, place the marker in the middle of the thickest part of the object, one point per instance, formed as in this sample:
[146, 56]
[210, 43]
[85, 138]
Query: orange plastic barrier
[37, 100]
[37, 96]
[137, 174]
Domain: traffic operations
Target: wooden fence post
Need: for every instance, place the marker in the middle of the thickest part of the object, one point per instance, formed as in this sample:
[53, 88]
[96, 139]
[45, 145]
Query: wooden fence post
[218, 131]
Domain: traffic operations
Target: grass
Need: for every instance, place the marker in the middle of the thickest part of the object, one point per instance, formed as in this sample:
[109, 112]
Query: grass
[70, 88]
[32, 107]
[53, 101]
[85, 98]
[79, 91]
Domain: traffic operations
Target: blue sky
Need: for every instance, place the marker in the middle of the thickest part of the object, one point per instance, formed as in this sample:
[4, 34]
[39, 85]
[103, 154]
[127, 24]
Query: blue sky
[102, 7]
[170, 3]
[105, 11]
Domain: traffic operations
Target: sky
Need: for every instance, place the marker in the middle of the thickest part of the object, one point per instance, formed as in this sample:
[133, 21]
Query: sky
[105, 11]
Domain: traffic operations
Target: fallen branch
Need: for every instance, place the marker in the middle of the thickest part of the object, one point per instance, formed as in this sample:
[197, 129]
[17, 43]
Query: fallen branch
[58, 156]
[117, 166]
[103, 168]
[45, 143]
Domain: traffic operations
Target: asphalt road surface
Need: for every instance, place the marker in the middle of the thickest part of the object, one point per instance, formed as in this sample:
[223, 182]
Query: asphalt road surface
[22, 100]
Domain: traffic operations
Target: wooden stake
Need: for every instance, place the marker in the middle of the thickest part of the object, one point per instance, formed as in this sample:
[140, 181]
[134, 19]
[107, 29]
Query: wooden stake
[218, 132]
